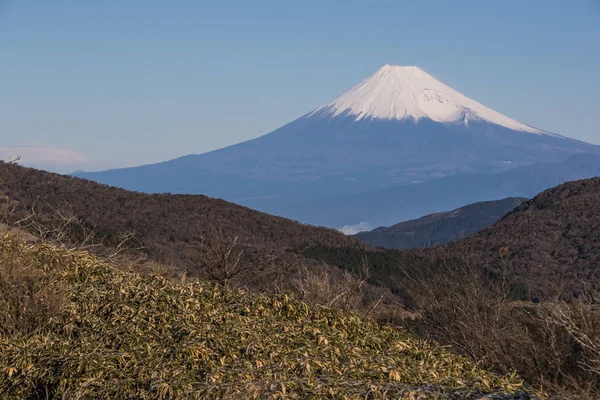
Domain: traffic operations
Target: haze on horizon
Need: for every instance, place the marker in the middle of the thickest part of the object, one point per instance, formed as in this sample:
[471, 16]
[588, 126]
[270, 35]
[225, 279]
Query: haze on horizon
[96, 85]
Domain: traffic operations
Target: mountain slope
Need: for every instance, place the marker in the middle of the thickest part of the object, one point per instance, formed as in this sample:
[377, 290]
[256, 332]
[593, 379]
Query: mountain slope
[442, 227]
[169, 229]
[550, 243]
[540, 261]
[399, 126]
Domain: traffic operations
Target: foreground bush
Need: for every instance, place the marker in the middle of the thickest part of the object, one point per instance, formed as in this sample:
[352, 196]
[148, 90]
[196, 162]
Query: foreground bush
[120, 335]
[30, 293]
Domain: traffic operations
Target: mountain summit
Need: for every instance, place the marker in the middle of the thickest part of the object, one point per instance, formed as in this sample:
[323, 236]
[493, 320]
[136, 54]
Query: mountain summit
[398, 127]
[401, 93]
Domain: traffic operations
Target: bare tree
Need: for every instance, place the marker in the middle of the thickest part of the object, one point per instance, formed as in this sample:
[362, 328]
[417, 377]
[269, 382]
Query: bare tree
[13, 160]
[345, 290]
[582, 322]
[553, 344]
[10, 161]
[222, 257]
[62, 225]
[461, 307]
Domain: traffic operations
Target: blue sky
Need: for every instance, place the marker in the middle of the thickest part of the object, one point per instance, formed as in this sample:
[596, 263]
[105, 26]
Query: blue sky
[99, 84]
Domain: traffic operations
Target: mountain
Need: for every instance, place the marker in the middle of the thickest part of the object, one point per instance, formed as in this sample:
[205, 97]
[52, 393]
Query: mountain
[409, 93]
[400, 126]
[442, 227]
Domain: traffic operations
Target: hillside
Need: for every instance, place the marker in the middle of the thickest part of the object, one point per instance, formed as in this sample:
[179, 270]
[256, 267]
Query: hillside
[113, 334]
[442, 292]
[531, 281]
[550, 243]
[442, 227]
[169, 229]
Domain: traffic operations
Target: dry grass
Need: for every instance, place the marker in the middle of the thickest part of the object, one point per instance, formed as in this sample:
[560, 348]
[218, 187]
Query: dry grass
[348, 291]
[122, 335]
[320, 288]
[27, 237]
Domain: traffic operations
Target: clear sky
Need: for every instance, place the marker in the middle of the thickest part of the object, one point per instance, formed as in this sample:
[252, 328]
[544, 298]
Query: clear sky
[98, 84]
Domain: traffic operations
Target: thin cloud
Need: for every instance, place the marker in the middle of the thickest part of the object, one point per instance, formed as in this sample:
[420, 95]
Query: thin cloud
[45, 156]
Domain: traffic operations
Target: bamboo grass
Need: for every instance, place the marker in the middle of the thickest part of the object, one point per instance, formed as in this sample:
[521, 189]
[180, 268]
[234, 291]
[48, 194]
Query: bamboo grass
[124, 336]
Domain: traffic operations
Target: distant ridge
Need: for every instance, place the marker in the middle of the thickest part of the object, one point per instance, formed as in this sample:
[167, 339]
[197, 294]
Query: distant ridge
[442, 227]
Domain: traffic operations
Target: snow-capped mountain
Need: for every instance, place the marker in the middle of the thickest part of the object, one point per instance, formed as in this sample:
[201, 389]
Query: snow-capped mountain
[403, 93]
[400, 126]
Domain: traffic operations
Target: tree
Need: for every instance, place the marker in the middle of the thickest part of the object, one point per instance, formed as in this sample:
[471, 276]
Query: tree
[222, 256]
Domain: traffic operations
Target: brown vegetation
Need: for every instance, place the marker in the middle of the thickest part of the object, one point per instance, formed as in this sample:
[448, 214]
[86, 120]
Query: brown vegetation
[552, 344]
[550, 244]
[521, 295]
[29, 295]
[182, 236]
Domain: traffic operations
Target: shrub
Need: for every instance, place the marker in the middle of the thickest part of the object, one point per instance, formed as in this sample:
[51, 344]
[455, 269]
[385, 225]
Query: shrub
[30, 294]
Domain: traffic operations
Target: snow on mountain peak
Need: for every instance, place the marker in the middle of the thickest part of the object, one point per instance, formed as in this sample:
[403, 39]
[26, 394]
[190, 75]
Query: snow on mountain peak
[408, 92]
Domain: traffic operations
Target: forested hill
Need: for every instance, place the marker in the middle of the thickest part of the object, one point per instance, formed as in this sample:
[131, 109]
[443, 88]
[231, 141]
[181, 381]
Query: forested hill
[166, 228]
[551, 243]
